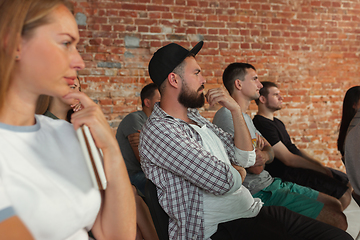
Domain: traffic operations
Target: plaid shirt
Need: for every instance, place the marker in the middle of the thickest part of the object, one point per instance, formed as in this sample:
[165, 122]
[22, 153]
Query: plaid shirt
[173, 158]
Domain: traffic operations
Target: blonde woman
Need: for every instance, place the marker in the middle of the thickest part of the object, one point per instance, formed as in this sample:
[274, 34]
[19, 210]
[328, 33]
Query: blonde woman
[45, 189]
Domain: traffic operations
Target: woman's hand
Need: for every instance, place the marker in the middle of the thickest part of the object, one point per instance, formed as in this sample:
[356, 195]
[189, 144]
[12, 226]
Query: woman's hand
[117, 216]
[92, 116]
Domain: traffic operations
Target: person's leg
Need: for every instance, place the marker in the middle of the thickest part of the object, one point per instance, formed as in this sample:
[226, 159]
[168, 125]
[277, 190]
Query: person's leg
[319, 182]
[329, 201]
[302, 227]
[138, 179]
[334, 218]
[343, 178]
[263, 226]
[356, 197]
[303, 201]
[340, 176]
[331, 213]
[346, 197]
[278, 223]
[139, 235]
[296, 202]
[145, 225]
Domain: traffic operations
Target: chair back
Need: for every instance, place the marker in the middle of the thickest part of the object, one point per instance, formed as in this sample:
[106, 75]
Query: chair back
[159, 216]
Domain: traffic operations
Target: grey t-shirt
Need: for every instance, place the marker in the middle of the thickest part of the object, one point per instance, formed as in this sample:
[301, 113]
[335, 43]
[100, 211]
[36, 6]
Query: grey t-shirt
[130, 124]
[253, 182]
[352, 155]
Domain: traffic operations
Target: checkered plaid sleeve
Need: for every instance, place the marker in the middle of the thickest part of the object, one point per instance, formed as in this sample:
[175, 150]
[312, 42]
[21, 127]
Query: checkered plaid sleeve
[174, 146]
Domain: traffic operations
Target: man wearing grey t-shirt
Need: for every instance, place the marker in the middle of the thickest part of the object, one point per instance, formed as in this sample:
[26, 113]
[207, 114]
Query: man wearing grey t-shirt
[128, 133]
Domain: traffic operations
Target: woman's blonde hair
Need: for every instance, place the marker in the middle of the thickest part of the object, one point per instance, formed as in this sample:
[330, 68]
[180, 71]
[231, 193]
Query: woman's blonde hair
[18, 19]
[43, 104]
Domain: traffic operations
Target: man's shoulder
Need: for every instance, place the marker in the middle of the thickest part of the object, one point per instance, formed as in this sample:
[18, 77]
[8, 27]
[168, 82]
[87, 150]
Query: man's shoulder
[134, 117]
[223, 110]
[264, 124]
[221, 115]
[277, 120]
[136, 114]
[260, 119]
[160, 122]
[131, 123]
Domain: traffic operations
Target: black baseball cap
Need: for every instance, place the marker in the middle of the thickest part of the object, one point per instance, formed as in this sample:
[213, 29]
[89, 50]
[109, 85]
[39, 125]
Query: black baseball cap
[167, 58]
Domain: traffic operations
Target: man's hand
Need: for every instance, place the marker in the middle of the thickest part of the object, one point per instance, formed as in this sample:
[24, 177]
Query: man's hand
[256, 170]
[221, 96]
[264, 153]
[260, 142]
[241, 170]
[134, 139]
[261, 158]
[134, 143]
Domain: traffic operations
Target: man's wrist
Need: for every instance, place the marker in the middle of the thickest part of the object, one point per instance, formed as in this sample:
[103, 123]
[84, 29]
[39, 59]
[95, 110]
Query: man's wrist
[235, 109]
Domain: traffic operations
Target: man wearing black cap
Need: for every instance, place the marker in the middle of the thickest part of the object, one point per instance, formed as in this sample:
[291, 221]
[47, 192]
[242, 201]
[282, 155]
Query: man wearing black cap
[198, 169]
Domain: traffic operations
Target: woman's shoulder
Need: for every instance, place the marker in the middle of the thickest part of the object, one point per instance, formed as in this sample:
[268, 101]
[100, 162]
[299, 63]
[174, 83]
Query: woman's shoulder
[55, 127]
[46, 121]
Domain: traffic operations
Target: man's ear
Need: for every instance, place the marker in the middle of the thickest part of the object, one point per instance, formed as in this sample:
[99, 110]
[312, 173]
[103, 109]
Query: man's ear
[262, 99]
[147, 102]
[173, 80]
[238, 84]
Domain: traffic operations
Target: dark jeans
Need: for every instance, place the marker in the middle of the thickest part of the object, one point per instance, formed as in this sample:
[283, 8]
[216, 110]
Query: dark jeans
[278, 223]
[335, 186]
[138, 180]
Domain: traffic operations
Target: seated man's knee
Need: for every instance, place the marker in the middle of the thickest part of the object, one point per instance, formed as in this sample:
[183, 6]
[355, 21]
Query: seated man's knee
[345, 199]
[333, 217]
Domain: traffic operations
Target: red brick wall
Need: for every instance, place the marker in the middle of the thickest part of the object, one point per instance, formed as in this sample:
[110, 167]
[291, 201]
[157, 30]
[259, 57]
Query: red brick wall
[310, 48]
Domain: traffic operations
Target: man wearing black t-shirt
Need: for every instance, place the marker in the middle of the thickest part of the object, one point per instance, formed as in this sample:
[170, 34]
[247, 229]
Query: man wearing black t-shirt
[291, 163]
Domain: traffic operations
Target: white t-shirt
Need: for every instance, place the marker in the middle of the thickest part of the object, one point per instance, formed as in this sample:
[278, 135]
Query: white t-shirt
[227, 207]
[45, 179]
[6, 209]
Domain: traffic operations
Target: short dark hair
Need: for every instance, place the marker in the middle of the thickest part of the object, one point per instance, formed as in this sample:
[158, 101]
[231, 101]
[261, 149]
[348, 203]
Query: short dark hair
[148, 92]
[235, 71]
[264, 91]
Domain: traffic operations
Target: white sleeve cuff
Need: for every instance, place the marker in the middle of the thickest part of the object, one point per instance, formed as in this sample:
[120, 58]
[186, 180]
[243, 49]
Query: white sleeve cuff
[245, 159]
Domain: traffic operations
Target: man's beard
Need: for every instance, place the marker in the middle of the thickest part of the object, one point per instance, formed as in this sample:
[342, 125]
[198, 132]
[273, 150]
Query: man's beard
[272, 107]
[191, 99]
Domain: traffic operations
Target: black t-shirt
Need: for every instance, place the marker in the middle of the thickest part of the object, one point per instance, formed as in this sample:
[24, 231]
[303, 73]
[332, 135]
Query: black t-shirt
[274, 131]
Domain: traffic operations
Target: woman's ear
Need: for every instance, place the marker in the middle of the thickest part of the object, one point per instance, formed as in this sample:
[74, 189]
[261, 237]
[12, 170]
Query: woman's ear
[18, 49]
[9, 46]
